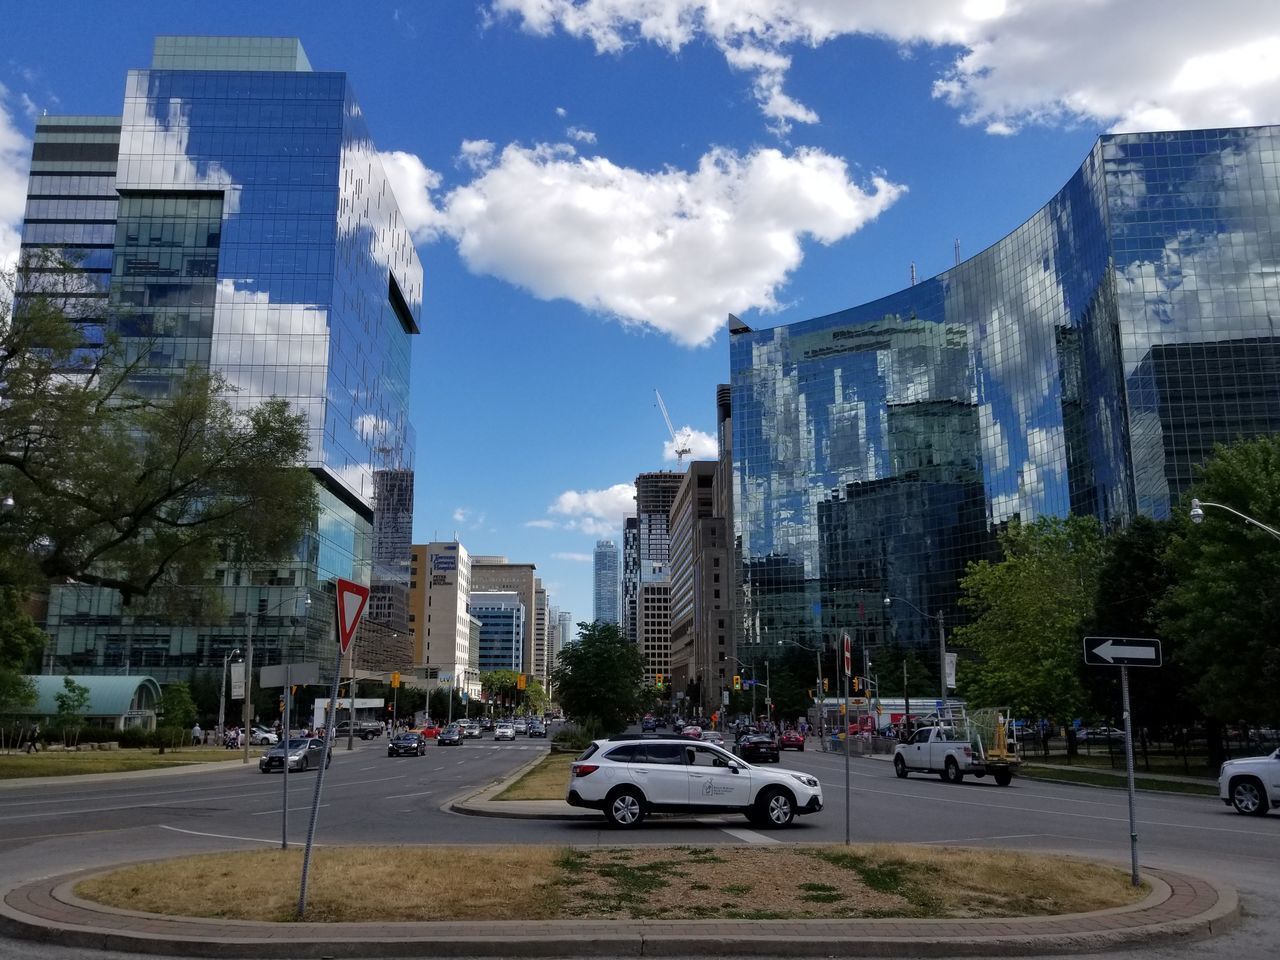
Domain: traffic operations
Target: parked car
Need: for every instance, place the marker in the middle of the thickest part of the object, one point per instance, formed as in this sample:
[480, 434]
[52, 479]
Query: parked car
[627, 778]
[261, 737]
[409, 744]
[504, 731]
[451, 736]
[791, 740]
[536, 729]
[757, 747]
[1251, 784]
[303, 753]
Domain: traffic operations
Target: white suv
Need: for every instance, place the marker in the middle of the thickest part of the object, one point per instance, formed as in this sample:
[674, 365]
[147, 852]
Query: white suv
[628, 777]
[1251, 785]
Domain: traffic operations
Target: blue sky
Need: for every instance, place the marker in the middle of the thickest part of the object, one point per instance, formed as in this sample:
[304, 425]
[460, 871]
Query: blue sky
[594, 184]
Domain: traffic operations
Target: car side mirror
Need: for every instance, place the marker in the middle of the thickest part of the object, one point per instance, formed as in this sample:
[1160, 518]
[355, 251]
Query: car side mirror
[734, 768]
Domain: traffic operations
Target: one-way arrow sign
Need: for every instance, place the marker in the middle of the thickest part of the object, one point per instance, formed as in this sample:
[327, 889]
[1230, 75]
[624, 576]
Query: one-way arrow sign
[1121, 652]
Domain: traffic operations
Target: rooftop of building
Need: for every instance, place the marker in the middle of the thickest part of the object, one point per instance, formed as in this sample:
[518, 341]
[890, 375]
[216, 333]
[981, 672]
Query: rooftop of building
[271, 54]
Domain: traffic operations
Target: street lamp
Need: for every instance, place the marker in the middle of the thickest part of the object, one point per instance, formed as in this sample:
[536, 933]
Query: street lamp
[250, 617]
[942, 641]
[222, 695]
[1197, 515]
[817, 653]
[752, 667]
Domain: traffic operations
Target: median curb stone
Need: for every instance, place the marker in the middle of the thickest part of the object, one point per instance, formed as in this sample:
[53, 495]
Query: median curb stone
[1179, 908]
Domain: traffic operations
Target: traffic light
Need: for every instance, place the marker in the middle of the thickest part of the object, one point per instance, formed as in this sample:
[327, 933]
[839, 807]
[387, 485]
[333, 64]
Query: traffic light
[824, 684]
[658, 682]
[522, 682]
[737, 682]
[395, 680]
[857, 684]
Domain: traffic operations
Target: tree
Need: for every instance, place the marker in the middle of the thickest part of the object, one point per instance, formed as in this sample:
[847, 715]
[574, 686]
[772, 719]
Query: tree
[598, 679]
[1029, 609]
[20, 644]
[177, 711]
[72, 701]
[118, 483]
[1222, 610]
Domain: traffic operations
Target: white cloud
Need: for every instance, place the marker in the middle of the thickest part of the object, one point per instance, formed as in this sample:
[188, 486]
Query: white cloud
[476, 154]
[701, 446]
[542, 524]
[1133, 64]
[671, 250]
[575, 557]
[581, 135]
[460, 514]
[561, 112]
[596, 512]
[15, 155]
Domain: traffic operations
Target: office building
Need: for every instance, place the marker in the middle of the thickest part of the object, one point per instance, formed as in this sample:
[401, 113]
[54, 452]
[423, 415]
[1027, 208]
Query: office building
[236, 212]
[568, 634]
[501, 616]
[606, 582]
[540, 631]
[1084, 364]
[493, 574]
[630, 575]
[440, 608]
[655, 493]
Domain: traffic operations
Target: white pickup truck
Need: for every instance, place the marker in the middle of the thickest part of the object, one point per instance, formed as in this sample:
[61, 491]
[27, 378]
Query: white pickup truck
[1251, 785]
[954, 750]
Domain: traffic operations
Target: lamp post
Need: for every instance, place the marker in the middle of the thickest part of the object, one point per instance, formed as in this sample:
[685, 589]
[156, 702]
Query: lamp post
[222, 695]
[817, 692]
[1197, 515]
[250, 618]
[942, 641]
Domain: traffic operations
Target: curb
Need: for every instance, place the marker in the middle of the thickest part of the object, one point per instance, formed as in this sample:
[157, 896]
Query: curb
[465, 803]
[49, 912]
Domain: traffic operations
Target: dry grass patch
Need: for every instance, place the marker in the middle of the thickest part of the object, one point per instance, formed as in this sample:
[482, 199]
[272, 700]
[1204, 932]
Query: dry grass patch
[352, 884]
[671, 883]
[546, 781]
[66, 764]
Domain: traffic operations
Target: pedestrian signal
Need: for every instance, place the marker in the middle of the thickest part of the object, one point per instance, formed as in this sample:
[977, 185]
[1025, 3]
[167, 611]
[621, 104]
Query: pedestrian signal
[737, 682]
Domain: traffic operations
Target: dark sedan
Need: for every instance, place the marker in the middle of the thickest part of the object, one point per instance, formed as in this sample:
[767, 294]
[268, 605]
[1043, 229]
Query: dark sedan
[536, 729]
[757, 748]
[451, 736]
[411, 744]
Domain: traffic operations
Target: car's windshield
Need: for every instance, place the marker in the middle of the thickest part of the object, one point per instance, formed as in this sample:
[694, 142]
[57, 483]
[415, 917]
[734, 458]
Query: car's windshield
[297, 743]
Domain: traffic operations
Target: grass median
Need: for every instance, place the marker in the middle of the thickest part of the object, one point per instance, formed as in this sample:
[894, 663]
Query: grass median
[66, 764]
[1096, 778]
[669, 883]
[546, 781]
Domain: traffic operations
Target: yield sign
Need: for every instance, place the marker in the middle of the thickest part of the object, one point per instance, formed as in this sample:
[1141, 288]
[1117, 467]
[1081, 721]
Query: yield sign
[848, 657]
[352, 597]
[1122, 652]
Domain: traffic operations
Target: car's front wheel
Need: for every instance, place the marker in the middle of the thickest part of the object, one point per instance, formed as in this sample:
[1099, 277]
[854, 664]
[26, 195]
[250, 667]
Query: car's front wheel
[625, 809]
[775, 807]
[1248, 797]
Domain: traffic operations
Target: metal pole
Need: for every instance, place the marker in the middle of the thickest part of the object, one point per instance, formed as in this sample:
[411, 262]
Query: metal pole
[351, 697]
[754, 716]
[284, 732]
[222, 704]
[248, 687]
[942, 662]
[848, 800]
[906, 702]
[315, 800]
[395, 703]
[1128, 756]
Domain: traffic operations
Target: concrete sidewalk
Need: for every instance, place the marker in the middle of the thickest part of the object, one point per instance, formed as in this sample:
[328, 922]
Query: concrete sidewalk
[1179, 908]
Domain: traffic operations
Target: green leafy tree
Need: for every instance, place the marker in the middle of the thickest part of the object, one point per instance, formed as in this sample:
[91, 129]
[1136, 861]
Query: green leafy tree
[72, 701]
[1028, 612]
[1222, 610]
[20, 644]
[598, 679]
[535, 696]
[177, 712]
[125, 487]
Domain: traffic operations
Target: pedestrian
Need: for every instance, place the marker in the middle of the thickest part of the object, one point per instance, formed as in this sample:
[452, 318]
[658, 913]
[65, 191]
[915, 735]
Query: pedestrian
[197, 735]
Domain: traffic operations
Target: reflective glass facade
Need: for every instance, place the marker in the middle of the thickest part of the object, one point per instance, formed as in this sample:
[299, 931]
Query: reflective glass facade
[1083, 364]
[256, 234]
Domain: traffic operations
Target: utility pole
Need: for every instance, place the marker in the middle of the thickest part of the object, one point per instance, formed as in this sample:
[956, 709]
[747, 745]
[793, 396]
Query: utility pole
[942, 661]
[248, 688]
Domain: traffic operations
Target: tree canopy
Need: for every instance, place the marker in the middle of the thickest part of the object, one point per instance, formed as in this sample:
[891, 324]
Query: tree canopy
[123, 480]
[598, 679]
[1028, 611]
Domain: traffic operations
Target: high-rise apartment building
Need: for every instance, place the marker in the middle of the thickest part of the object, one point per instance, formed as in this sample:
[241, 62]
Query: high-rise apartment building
[606, 596]
[630, 576]
[501, 616]
[1084, 364]
[568, 635]
[440, 605]
[490, 574]
[237, 213]
[655, 493]
[540, 650]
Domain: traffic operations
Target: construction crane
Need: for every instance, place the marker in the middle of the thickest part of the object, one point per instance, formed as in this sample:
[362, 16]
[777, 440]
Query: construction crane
[681, 448]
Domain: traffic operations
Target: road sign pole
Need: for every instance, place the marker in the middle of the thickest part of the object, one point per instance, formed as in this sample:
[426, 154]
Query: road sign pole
[1128, 757]
[844, 723]
[315, 800]
[284, 734]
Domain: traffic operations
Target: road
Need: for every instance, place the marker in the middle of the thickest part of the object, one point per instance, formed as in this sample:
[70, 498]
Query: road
[54, 827]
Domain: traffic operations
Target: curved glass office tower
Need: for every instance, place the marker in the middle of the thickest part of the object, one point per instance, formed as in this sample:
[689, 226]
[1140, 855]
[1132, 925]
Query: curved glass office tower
[1083, 364]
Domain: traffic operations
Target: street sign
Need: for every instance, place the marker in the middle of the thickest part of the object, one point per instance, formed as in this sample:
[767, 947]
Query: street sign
[1121, 652]
[848, 657]
[290, 673]
[352, 598]
[724, 697]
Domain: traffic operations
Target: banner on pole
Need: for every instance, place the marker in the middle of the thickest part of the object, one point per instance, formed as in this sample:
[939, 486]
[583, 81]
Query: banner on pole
[237, 680]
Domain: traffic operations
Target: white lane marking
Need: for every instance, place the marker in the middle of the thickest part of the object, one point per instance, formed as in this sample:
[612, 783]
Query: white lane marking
[372, 767]
[750, 836]
[276, 812]
[461, 762]
[401, 796]
[227, 836]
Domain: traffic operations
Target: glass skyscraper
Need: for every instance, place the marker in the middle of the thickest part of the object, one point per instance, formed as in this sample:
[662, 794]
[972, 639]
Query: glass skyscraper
[605, 582]
[237, 217]
[1083, 364]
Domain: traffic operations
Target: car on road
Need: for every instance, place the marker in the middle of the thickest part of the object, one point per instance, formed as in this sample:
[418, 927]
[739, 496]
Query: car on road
[430, 731]
[626, 778]
[504, 731]
[262, 737]
[304, 753]
[364, 729]
[1251, 784]
[536, 729]
[409, 744]
[520, 726]
[472, 731]
[648, 725]
[451, 736]
[692, 731]
[791, 740]
[713, 736]
[757, 747]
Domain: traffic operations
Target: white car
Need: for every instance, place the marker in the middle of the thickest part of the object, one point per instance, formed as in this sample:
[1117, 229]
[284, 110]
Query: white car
[626, 778]
[472, 731]
[262, 737]
[1251, 785]
[504, 731]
